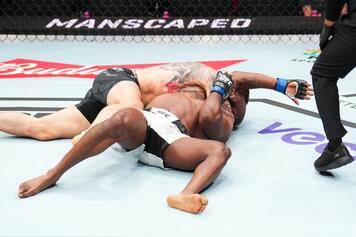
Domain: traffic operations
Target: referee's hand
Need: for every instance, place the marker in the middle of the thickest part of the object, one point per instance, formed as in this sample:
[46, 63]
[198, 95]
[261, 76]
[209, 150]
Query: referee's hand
[326, 34]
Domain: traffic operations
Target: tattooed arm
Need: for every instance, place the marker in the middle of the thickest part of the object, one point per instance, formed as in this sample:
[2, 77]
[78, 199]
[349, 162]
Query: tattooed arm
[191, 76]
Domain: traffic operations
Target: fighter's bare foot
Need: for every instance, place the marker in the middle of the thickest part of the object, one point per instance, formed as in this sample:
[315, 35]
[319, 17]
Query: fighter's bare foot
[193, 203]
[36, 185]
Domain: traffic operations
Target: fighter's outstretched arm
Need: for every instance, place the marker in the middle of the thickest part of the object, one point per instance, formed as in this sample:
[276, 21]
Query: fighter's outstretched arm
[294, 88]
[95, 141]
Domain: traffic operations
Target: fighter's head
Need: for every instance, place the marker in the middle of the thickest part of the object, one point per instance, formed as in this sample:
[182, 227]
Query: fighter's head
[238, 100]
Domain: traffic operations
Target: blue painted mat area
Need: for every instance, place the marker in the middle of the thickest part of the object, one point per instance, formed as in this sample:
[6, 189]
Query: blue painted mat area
[268, 188]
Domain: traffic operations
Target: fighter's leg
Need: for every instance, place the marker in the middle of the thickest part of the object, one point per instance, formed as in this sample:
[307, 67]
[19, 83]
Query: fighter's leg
[206, 158]
[128, 127]
[62, 124]
[125, 94]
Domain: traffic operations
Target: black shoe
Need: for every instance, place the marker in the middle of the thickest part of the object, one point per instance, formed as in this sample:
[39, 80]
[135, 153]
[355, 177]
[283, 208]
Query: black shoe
[332, 160]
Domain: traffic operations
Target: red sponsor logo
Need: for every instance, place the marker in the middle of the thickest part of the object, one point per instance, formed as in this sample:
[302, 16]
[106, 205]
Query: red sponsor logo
[27, 68]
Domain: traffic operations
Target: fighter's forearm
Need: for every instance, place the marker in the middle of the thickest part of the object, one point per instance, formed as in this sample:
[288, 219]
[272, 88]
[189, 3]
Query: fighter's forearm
[253, 80]
[95, 141]
[212, 119]
[212, 109]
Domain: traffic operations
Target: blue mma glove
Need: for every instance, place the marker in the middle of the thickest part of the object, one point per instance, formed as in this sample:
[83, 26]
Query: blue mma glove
[282, 84]
[222, 84]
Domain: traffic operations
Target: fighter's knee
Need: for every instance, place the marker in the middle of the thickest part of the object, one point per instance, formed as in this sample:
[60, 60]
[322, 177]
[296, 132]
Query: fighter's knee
[123, 118]
[38, 130]
[223, 153]
[226, 153]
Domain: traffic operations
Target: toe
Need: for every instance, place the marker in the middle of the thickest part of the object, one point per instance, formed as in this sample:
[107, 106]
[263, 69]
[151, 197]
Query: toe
[204, 200]
[202, 208]
[22, 193]
[22, 189]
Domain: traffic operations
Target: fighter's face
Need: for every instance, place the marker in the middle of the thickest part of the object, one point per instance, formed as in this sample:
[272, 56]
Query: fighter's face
[238, 100]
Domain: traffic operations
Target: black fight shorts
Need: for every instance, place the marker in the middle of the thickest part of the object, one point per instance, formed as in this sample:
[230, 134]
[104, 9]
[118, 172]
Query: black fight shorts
[95, 99]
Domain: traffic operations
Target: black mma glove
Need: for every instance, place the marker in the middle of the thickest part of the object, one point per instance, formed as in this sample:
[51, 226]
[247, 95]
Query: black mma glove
[282, 84]
[222, 84]
[326, 34]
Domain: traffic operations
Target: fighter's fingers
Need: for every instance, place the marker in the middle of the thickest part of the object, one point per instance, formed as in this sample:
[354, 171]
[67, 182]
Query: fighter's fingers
[307, 91]
[306, 85]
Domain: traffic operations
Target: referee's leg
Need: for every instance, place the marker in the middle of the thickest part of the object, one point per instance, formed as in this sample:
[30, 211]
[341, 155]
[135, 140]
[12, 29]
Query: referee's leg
[336, 60]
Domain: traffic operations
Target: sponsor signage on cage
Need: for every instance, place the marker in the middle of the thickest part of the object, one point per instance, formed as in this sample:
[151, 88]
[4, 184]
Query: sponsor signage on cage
[27, 68]
[139, 23]
[159, 26]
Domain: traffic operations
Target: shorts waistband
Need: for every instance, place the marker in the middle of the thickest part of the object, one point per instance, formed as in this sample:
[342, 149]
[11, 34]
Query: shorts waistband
[181, 126]
[132, 73]
[177, 122]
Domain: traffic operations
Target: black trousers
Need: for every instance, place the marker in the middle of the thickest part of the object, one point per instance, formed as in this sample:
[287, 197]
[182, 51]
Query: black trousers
[336, 60]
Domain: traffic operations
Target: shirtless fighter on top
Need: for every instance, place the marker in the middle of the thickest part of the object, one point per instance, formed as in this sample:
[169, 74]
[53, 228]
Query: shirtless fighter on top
[118, 88]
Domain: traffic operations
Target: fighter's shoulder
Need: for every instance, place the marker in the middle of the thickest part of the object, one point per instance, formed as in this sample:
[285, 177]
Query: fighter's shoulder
[185, 65]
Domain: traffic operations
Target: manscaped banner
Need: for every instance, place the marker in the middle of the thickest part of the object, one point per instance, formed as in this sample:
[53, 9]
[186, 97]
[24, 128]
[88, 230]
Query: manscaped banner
[159, 26]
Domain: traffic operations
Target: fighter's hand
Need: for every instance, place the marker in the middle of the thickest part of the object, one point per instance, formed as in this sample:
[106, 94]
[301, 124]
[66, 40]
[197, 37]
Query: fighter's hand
[295, 89]
[36, 185]
[222, 84]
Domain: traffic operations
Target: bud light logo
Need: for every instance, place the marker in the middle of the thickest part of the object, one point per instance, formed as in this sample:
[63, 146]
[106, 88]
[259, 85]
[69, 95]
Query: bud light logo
[27, 68]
